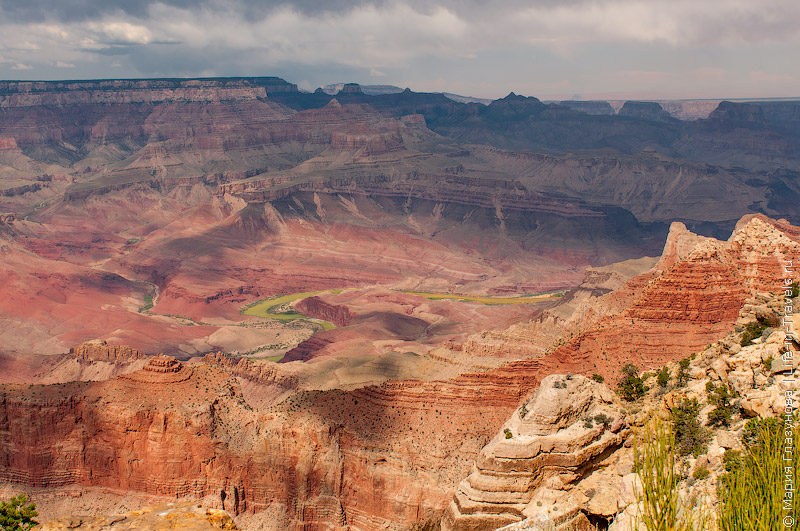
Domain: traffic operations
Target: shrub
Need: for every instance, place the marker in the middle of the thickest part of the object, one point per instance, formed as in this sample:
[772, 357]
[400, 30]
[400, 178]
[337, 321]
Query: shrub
[598, 378]
[683, 372]
[662, 377]
[752, 330]
[720, 397]
[631, 387]
[795, 290]
[603, 419]
[508, 433]
[655, 461]
[700, 473]
[560, 385]
[767, 363]
[690, 436]
[752, 492]
[17, 514]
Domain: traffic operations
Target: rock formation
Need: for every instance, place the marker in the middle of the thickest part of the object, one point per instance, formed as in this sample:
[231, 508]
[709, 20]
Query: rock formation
[182, 516]
[644, 109]
[556, 438]
[556, 464]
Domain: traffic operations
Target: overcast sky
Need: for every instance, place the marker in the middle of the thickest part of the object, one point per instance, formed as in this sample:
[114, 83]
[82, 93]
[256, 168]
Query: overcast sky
[612, 49]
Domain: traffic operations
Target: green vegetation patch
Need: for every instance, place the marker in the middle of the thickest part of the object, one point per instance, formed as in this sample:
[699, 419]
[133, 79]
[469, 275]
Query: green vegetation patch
[631, 387]
[278, 308]
[523, 299]
[17, 514]
[752, 493]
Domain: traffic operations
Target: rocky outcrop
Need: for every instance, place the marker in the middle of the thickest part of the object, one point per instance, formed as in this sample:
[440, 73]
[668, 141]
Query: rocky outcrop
[99, 350]
[514, 478]
[257, 372]
[115, 92]
[649, 110]
[738, 114]
[180, 517]
[337, 314]
[559, 436]
[161, 370]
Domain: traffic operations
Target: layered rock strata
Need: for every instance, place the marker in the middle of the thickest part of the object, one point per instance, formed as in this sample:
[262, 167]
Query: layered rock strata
[558, 436]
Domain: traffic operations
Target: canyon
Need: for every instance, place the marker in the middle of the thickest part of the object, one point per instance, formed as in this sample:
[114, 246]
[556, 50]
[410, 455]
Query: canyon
[446, 263]
[373, 455]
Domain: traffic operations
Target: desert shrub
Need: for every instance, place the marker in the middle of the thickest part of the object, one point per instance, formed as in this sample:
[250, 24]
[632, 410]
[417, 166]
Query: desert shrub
[17, 514]
[690, 436]
[603, 419]
[598, 378]
[795, 290]
[751, 493]
[508, 433]
[720, 397]
[683, 372]
[752, 330]
[662, 377]
[560, 385]
[767, 363]
[631, 387]
[700, 473]
[655, 461]
[754, 428]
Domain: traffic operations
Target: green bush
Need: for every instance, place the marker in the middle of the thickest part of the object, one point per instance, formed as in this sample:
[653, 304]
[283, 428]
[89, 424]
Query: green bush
[508, 433]
[720, 397]
[631, 387]
[700, 473]
[17, 514]
[683, 372]
[603, 419]
[662, 377]
[751, 493]
[690, 436]
[795, 290]
[752, 330]
[598, 378]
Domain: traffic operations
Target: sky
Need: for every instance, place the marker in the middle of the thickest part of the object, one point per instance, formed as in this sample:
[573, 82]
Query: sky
[552, 49]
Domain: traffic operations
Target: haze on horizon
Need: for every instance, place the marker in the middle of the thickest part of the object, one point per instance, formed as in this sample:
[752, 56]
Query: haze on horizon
[583, 49]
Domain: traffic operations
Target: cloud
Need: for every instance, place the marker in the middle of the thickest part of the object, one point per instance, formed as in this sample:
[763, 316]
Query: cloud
[21, 66]
[62, 64]
[119, 33]
[346, 39]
